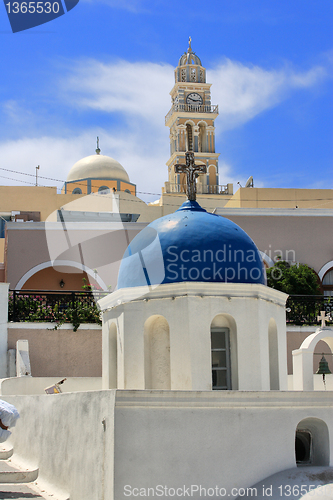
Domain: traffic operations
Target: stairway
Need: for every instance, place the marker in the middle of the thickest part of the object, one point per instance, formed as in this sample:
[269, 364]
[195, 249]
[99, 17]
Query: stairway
[13, 479]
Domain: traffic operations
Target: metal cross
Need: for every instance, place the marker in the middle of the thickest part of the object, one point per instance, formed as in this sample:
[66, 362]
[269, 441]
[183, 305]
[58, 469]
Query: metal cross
[323, 318]
[191, 170]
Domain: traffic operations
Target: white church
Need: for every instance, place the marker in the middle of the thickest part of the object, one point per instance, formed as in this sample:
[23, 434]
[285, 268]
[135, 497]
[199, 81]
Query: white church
[194, 400]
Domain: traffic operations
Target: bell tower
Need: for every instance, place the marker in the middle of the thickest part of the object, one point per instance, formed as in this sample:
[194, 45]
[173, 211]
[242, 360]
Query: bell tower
[191, 122]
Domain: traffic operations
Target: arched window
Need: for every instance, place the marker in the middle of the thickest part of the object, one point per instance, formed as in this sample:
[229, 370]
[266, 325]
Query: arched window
[103, 190]
[77, 191]
[212, 179]
[127, 191]
[328, 283]
[220, 345]
[189, 137]
[202, 138]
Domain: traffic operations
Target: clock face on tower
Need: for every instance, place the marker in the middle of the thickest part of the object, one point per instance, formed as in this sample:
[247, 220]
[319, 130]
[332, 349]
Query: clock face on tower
[194, 98]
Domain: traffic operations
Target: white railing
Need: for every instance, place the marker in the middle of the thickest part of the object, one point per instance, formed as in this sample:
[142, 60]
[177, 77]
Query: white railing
[171, 187]
[192, 108]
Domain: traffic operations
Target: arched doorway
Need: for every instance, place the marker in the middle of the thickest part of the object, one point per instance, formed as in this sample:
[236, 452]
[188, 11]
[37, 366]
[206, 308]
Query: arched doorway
[312, 443]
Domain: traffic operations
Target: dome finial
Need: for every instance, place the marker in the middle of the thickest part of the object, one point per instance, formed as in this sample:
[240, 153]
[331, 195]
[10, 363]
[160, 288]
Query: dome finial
[98, 151]
[189, 44]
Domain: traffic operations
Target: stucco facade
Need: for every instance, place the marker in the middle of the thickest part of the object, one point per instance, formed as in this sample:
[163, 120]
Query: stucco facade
[254, 315]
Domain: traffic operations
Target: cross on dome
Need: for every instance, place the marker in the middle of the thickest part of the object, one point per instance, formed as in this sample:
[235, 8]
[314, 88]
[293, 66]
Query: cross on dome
[323, 318]
[190, 169]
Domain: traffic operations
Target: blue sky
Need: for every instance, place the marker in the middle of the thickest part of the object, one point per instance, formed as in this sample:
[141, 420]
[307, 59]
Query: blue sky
[106, 68]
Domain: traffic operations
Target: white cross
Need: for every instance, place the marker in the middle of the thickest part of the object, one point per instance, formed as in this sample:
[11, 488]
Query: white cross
[323, 318]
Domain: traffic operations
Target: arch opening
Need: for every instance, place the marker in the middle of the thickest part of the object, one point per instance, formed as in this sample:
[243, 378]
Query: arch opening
[212, 179]
[224, 350]
[63, 266]
[327, 283]
[189, 137]
[312, 443]
[273, 355]
[157, 353]
[202, 139]
[220, 348]
[113, 357]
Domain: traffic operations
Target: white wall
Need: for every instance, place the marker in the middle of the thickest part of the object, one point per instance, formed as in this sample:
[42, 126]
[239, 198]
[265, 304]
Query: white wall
[4, 287]
[189, 310]
[36, 385]
[64, 436]
[232, 439]
[317, 383]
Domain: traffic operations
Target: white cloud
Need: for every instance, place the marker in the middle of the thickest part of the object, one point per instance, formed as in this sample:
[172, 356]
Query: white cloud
[242, 92]
[56, 155]
[138, 94]
[142, 89]
[133, 89]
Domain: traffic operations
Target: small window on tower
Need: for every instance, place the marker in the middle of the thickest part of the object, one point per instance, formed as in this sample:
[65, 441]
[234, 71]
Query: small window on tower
[183, 75]
[201, 76]
[193, 74]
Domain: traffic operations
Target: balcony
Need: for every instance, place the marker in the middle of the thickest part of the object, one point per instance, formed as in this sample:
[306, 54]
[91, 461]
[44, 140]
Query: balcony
[221, 189]
[192, 108]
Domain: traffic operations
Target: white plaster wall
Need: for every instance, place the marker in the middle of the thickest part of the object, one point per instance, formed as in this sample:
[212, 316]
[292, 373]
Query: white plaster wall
[36, 385]
[189, 309]
[4, 287]
[231, 440]
[317, 383]
[64, 436]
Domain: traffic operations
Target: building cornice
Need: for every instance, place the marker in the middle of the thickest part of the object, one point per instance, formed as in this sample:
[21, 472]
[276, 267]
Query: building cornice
[200, 289]
[274, 212]
[75, 226]
[223, 399]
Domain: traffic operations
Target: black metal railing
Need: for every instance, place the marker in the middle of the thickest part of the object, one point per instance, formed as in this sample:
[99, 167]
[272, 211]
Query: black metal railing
[52, 306]
[305, 309]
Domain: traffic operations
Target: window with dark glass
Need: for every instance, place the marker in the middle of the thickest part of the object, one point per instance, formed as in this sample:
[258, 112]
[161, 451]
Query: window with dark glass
[221, 374]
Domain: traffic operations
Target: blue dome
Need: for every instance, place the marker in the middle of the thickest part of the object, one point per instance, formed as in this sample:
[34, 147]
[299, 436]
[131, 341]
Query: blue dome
[191, 245]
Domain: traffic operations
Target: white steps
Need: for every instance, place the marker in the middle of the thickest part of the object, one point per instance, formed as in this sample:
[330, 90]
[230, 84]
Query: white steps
[12, 474]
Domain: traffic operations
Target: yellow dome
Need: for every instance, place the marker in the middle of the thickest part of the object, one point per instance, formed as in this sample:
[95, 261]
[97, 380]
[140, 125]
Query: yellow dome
[97, 167]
